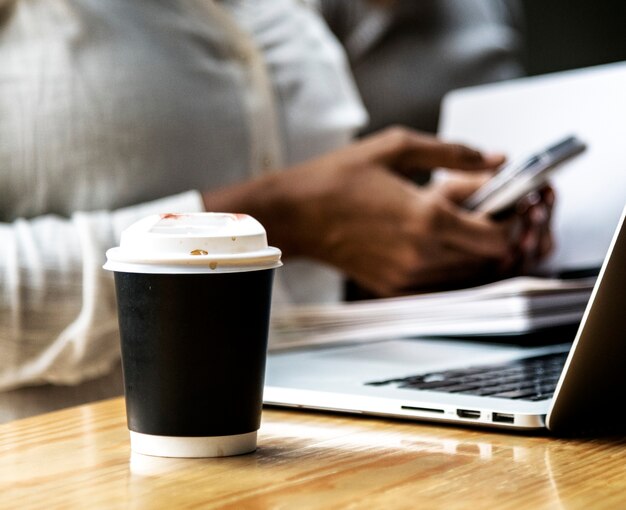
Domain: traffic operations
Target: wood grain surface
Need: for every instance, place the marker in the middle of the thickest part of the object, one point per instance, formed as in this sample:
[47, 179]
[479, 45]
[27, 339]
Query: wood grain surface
[80, 458]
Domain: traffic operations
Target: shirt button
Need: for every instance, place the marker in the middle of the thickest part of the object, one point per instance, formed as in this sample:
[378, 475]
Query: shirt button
[266, 162]
[242, 56]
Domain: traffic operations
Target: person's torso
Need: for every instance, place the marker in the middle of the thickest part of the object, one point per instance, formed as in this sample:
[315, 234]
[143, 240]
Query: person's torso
[108, 104]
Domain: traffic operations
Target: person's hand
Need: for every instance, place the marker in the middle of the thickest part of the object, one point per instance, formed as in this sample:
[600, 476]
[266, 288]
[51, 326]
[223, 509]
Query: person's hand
[528, 222]
[357, 210]
[536, 240]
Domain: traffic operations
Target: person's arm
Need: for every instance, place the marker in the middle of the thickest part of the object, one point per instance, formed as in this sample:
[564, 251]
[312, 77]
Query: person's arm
[58, 320]
[355, 209]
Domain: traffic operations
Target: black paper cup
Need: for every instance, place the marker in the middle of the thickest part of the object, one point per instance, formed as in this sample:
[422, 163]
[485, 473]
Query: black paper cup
[194, 343]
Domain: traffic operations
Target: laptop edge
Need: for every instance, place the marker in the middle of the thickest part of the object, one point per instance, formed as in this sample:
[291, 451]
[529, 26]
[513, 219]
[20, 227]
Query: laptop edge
[590, 391]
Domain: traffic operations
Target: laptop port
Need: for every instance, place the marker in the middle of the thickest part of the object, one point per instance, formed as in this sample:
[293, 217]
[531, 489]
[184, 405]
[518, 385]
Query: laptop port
[502, 418]
[468, 413]
[423, 409]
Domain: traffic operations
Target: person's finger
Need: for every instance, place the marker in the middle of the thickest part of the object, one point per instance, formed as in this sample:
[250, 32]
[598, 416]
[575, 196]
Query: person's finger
[457, 188]
[548, 195]
[527, 202]
[543, 197]
[447, 155]
[530, 243]
[546, 245]
[536, 210]
[478, 234]
[409, 151]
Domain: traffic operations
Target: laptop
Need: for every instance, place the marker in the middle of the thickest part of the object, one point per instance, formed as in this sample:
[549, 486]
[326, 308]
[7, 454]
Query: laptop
[574, 386]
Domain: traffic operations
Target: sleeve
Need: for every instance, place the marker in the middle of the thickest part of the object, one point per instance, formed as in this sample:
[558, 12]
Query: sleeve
[58, 317]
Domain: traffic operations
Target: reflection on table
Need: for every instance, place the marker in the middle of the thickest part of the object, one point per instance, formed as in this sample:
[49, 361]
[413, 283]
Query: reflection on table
[81, 458]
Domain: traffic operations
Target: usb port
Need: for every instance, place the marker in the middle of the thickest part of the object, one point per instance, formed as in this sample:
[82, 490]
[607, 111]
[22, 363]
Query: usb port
[502, 418]
[468, 413]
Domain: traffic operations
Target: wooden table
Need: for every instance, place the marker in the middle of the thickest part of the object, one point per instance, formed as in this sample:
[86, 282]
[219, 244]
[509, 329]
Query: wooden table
[80, 458]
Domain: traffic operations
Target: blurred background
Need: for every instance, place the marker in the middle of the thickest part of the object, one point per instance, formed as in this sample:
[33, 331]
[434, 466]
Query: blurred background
[567, 34]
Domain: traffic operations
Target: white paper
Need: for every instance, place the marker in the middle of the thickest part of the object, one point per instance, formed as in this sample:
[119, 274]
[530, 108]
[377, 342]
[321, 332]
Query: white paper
[514, 306]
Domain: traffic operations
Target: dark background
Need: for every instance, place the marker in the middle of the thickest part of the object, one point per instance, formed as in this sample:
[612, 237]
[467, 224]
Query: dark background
[566, 34]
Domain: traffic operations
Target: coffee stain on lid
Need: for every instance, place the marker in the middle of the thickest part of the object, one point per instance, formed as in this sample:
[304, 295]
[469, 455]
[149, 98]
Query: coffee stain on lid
[198, 252]
[170, 216]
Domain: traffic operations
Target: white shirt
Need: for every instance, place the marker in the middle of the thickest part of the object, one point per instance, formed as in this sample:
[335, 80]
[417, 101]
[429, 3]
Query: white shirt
[113, 110]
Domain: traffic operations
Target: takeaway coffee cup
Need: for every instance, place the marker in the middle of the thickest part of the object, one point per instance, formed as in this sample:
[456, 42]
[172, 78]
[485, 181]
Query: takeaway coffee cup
[193, 295]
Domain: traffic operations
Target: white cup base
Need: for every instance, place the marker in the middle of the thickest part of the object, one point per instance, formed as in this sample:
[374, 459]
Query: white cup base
[210, 446]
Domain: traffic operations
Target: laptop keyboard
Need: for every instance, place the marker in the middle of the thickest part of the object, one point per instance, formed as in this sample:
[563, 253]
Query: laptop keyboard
[532, 379]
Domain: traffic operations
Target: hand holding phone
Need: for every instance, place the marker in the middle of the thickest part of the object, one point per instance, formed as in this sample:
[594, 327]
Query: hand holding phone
[517, 179]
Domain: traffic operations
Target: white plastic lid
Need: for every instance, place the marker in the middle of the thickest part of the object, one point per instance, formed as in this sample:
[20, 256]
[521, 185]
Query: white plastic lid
[193, 243]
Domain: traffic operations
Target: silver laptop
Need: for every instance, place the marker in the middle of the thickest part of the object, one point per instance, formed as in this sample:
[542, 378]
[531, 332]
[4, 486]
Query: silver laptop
[575, 386]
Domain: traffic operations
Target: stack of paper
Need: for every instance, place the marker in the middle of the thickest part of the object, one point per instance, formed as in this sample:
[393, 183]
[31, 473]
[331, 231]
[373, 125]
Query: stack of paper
[509, 307]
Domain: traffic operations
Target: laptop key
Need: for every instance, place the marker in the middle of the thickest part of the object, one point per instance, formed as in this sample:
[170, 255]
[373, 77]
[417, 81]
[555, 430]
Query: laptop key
[545, 396]
[428, 385]
[461, 388]
[529, 379]
[515, 394]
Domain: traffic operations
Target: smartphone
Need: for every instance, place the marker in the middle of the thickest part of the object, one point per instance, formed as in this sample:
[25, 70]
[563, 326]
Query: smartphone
[518, 178]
